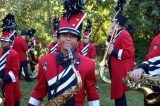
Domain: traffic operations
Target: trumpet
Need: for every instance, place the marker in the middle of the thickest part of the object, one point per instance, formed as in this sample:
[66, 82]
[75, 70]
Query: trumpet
[103, 64]
[105, 57]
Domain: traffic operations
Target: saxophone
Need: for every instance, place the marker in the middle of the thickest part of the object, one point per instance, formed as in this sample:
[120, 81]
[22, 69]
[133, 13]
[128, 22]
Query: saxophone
[64, 97]
[144, 85]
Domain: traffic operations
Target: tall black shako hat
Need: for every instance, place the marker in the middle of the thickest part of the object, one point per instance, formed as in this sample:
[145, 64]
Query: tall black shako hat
[9, 28]
[9, 23]
[71, 21]
[55, 26]
[23, 33]
[119, 10]
[121, 19]
[31, 32]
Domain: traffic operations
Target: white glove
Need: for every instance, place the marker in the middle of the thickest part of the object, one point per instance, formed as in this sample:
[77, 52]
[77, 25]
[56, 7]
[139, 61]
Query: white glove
[136, 74]
[107, 43]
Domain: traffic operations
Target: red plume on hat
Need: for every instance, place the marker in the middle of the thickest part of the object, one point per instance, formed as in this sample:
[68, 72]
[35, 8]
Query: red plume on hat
[87, 33]
[71, 22]
[55, 26]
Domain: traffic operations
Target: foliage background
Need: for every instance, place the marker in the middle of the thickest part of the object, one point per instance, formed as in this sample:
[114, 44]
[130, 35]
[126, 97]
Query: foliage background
[143, 16]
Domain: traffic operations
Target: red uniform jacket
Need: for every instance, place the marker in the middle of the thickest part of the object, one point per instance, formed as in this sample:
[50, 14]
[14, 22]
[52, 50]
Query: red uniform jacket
[54, 47]
[151, 62]
[21, 47]
[12, 90]
[154, 49]
[47, 75]
[122, 61]
[88, 50]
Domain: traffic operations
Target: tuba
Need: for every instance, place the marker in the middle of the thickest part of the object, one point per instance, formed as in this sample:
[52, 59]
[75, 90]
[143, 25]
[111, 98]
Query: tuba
[104, 71]
[64, 97]
[144, 86]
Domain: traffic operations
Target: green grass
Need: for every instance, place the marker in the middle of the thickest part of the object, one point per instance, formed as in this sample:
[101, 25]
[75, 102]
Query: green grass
[26, 89]
[133, 98]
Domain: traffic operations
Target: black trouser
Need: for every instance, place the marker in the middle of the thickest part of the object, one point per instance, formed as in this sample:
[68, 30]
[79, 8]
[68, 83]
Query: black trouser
[121, 101]
[24, 65]
[17, 103]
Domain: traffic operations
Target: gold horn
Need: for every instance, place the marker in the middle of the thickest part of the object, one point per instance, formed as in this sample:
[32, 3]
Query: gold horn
[144, 86]
[104, 71]
[64, 97]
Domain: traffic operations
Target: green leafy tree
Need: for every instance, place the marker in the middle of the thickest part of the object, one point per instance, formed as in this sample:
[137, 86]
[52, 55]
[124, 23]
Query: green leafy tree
[144, 15]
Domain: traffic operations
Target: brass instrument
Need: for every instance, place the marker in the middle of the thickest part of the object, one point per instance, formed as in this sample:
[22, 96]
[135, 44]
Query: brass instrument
[104, 71]
[144, 85]
[34, 74]
[64, 97]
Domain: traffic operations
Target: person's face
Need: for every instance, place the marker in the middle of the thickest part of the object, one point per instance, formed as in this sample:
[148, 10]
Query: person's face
[85, 40]
[68, 41]
[24, 37]
[112, 27]
[5, 44]
[32, 38]
[54, 39]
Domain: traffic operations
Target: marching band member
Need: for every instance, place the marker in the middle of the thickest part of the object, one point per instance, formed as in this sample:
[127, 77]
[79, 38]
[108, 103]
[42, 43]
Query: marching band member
[9, 64]
[34, 49]
[55, 74]
[55, 46]
[86, 48]
[150, 65]
[121, 59]
[21, 47]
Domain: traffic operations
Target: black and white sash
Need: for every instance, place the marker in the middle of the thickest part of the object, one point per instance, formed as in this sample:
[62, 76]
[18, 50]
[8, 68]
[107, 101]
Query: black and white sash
[54, 48]
[3, 60]
[153, 65]
[84, 51]
[66, 79]
[33, 44]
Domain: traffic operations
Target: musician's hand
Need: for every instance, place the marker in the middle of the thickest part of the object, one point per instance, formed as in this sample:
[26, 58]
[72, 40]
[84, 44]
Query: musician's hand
[107, 43]
[136, 74]
[110, 49]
